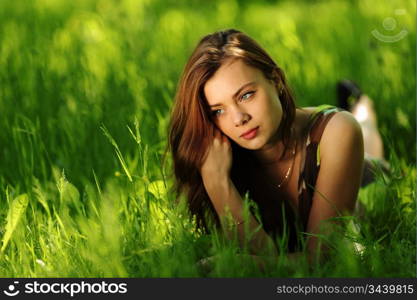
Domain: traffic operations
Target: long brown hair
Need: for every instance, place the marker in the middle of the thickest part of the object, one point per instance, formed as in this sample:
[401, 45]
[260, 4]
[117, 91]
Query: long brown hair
[191, 128]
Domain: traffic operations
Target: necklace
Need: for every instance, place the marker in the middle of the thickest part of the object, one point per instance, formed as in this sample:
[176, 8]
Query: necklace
[287, 175]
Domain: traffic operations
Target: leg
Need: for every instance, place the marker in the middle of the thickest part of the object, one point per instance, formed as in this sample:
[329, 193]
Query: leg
[374, 150]
[351, 98]
[365, 115]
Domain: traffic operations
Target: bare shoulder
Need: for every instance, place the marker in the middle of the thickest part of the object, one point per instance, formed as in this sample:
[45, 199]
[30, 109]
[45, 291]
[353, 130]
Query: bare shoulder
[342, 131]
[342, 125]
[343, 122]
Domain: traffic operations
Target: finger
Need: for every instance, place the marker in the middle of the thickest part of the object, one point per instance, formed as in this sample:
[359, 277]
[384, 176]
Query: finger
[214, 131]
[217, 135]
[225, 139]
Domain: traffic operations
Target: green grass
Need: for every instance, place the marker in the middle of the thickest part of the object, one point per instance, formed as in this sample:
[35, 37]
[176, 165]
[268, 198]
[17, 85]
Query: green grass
[85, 93]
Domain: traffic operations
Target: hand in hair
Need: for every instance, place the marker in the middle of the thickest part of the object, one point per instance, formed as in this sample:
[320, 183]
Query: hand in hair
[225, 198]
[218, 159]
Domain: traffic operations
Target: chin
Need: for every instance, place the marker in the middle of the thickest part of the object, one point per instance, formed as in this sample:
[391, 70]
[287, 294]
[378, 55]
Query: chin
[254, 144]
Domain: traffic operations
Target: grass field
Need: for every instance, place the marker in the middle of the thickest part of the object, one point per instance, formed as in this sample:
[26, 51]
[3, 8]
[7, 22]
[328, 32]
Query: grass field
[85, 93]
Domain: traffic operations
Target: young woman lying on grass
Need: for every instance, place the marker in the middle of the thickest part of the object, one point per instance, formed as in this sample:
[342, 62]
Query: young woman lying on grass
[235, 129]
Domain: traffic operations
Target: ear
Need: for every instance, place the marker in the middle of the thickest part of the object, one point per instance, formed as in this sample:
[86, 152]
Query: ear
[276, 81]
[279, 87]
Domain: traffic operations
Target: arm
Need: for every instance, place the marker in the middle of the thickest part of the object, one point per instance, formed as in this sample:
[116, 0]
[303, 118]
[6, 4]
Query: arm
[223, 194]
[225, 199]
[338, 182]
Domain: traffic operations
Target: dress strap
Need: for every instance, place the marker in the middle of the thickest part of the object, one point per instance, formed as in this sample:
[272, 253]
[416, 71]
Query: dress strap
[320, 121]
[311, 167]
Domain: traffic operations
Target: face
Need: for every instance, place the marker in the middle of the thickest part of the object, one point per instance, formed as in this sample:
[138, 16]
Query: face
[244, 104]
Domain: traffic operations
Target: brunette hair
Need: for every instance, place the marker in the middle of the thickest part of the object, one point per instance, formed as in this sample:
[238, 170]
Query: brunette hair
[191, 128]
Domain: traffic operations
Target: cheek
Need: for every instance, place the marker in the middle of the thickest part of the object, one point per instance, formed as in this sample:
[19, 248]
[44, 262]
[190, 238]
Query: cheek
[224, 127]
[278, 116]
[278, 109]
[273, 111]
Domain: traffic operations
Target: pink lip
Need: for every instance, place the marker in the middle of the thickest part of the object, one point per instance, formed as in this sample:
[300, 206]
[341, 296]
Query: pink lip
[248, 135]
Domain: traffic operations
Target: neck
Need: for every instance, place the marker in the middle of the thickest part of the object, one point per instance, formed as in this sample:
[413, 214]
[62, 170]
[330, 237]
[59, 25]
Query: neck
[273, 151]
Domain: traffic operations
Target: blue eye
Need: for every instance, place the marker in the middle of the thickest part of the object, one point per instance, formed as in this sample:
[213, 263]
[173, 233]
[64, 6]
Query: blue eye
[247, 95]
[217, 112]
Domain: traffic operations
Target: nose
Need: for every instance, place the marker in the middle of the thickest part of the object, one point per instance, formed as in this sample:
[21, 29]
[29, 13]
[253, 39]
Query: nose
[240, 117]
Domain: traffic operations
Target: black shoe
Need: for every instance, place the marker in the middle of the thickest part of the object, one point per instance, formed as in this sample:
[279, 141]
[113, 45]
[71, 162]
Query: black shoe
[348, 93]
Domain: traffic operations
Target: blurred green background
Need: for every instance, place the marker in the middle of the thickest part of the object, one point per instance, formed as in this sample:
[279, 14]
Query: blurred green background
[69, 66]
[73, 71]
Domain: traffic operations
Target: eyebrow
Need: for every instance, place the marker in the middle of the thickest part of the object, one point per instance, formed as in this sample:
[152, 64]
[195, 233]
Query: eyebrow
[237, 92]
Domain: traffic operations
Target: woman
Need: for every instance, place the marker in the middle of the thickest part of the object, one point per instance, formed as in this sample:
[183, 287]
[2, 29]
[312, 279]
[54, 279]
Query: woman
[235, 129]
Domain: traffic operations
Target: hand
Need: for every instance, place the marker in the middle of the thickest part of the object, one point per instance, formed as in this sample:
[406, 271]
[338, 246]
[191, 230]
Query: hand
[218, 159]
